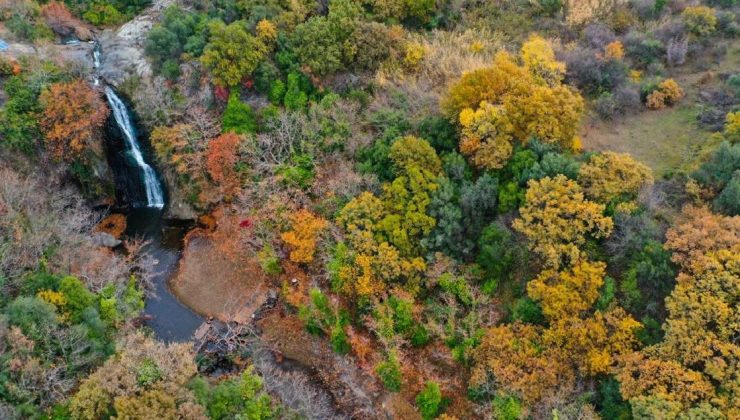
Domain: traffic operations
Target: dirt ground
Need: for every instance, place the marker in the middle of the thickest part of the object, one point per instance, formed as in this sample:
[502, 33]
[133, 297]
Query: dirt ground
[223, 288]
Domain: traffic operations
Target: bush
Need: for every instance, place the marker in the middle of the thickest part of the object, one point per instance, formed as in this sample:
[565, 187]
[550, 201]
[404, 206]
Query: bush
[553, 164]
[439, 132]
[598, 35]
[238, 117]
[498, 252]
[676, 51]
[77, 296]
[591, 74]
[605, 106]
[295, 99]
[528, 311]
[666, 93]
[728, 201]
[277, 92]
[389, 372]
[700, 20]
[321, 317]
[506, 408]
[429, 400]
[642, 50]
[35, 317]
[269, 260]
[299, 172]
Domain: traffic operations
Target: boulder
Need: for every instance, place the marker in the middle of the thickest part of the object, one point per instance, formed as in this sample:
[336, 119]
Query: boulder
[105, 240]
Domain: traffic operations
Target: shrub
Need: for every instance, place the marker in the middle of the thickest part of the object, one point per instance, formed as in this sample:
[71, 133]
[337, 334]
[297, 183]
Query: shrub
[269, 260]
[676, 51]
[321, 317]
[277, 92]
[103, 14]
[439, 132]
[429, 400]
[528, 311]
[148, 373]
[389, 372]
[77, 296]
[35, 317]
[700, 20]
[727, 25]
[299, 172]
[598, 35]
[498, 252]
[605, 106]
[672, 91]
[238, 117]
[295, 99]
[666, 93]
[506, 408]
[642, 50]
[593, 75]
[728, 201]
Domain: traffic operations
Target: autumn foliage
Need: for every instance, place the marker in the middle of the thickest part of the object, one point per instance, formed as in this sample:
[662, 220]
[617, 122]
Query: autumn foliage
[694, 370]
[73, 115]
[221, 159]
[303, 236]
[510, 102]
[61, 21]
[557, 219]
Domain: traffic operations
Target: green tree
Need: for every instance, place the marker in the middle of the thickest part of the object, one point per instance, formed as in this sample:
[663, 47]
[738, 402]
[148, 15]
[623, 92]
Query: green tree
[238, 117]
[232, 53]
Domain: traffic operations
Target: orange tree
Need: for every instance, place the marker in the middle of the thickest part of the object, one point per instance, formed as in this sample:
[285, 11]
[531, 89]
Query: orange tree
[72, 117]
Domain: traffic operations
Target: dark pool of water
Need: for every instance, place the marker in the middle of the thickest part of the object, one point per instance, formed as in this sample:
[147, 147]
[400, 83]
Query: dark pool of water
[170, 319]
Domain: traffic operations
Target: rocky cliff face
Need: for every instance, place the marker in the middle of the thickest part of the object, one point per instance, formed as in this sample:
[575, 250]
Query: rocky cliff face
[123, 48]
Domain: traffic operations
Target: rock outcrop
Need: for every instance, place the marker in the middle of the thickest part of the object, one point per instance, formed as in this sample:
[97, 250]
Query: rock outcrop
[123, 49]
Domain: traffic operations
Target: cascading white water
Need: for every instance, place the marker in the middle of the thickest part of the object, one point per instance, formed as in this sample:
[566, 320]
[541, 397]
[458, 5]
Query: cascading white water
[154, 195]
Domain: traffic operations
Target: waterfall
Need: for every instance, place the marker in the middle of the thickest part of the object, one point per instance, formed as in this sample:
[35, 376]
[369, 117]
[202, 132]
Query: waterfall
[154, 195]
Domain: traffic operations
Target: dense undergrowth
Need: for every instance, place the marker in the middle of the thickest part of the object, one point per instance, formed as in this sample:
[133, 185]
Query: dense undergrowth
[419, 164]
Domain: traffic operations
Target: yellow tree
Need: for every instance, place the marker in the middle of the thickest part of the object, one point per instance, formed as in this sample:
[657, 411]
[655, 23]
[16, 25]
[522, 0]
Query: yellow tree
[567, 293]
[557, 219]
[539, 58]
[511, 102]
[303, 236]
[486, 136]
[696, 366]
[516, 356]
[488, 84]
[385, 233]
[550, 114]
[613, 177]
[700, 233]
[592, 345]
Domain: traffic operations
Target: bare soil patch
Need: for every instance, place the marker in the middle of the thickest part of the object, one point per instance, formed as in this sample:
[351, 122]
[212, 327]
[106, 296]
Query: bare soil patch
[215, 284]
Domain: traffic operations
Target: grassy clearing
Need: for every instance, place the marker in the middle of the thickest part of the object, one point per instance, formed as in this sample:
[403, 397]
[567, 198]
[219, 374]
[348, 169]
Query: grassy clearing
[670, 139]
[665, 140]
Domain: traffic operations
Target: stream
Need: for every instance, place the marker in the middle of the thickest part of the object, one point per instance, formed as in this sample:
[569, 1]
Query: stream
[141, 189]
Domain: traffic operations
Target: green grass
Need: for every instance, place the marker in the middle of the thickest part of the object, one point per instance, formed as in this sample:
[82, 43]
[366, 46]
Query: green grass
[665, 140]
[669, 139]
